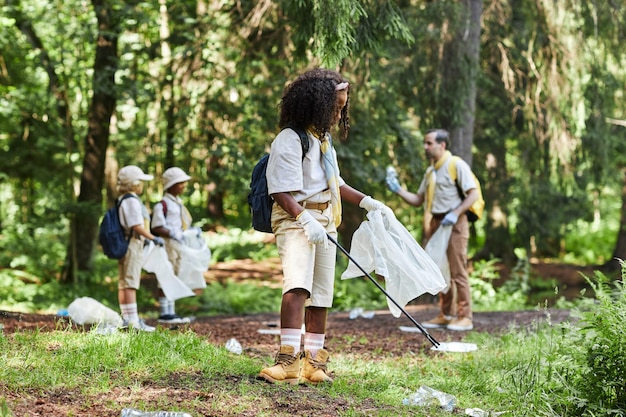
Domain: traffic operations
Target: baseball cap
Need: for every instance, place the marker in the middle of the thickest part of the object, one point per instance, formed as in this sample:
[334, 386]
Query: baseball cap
[173, 176]
[132, 173]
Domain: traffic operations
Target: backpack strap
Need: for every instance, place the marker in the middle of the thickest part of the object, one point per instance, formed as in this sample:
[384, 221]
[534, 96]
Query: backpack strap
[452, 171]
[118, 204]
[164, 205]
[304, 138]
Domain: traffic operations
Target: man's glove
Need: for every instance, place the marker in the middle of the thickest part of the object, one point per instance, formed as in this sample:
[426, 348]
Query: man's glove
[158, 241]
[313, 229]
[197, 230]
[369, 204]
[450, 219]
[392, 180]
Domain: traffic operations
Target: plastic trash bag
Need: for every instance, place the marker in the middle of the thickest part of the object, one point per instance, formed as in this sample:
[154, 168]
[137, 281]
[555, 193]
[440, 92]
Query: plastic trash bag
[155, 260]
[86, 310]
[385, 246]
[437, 248]
[195, 260]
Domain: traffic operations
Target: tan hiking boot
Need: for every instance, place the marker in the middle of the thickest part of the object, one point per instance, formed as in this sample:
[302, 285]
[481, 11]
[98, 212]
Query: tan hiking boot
[461, 324]
[438, 322]
[286, 368]
[314, 370]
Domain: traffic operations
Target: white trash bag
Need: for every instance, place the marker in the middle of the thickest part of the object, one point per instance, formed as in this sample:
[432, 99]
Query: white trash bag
[437, 248]
[385, 246]
[155, 260]
[195, 259]
[86, 310]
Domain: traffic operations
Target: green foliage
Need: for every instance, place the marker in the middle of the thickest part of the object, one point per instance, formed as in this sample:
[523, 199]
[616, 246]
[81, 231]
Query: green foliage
[240, 244]
[487, 298]
[597, 379]
[233, 298]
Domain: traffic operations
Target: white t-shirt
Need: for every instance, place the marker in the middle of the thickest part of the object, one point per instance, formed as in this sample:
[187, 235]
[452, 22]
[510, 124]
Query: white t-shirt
[288, 173]
[174, 219]
[446, 194]
[132, 212]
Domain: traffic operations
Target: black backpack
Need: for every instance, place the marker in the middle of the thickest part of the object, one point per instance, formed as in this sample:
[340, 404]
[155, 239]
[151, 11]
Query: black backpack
[112, 237]
[259, 200]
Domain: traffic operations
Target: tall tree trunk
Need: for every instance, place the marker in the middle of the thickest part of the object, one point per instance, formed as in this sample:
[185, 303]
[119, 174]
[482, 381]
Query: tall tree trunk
[498, 242]
[85, 226]
[458, 84]
[620, 246]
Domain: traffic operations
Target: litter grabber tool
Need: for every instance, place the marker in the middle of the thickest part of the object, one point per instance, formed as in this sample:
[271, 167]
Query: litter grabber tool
[380, 287]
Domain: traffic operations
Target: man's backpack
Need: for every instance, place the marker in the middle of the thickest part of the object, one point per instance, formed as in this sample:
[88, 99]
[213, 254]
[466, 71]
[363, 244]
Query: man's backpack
[475, 212]
[112, 237]
[259, 200]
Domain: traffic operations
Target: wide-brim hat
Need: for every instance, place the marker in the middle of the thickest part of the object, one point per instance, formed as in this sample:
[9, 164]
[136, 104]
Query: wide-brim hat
[173, 176]
[132, 173]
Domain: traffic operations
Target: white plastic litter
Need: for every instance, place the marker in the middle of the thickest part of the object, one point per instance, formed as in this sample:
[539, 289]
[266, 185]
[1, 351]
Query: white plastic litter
[155, 261]
[385, 246]
[105, 329]
[269, 331]
[232, 345]
[437, 247]
[426, 396]
[460, 347]
[359, 312]
[132, 412]
[477, 412]
[276, 330]
[86, 310]
[195, 259]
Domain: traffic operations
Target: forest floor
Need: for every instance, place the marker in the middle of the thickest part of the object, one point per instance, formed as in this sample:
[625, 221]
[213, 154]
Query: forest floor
[368, 337]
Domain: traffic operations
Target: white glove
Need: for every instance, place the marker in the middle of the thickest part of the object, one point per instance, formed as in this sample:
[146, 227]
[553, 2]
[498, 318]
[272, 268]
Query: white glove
[369, 204]
[177, 236]
[450, 219]
[313, 229]
[197, 230]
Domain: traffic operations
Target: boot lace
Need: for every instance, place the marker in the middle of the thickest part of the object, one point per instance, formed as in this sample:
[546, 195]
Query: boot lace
[285, 359]
[317, 364]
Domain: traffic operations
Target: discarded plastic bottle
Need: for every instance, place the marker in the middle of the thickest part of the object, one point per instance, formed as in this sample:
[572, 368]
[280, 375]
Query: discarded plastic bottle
[133, 412]
[234, 346]
[355, 313]
[426, 396]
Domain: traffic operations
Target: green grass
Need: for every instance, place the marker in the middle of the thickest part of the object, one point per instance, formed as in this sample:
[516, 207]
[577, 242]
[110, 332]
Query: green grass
[92, 365]
[570, 369]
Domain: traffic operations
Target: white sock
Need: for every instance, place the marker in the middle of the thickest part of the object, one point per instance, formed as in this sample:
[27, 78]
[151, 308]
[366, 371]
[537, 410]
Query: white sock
[171, 308]
[163, 306]
[291, 337]
[129, 312]
[313, 342]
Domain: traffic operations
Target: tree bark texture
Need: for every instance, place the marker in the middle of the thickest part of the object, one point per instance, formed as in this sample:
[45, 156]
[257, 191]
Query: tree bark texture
[97, 139]
[460, 70]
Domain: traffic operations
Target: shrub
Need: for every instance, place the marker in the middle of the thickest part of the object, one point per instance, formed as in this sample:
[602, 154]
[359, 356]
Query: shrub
[595, 352]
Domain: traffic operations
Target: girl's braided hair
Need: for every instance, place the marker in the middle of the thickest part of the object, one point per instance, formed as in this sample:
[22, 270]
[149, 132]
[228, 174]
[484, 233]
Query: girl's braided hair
[310, 101]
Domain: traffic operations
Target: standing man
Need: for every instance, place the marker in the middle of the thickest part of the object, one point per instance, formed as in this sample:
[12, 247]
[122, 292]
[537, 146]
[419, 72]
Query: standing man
[447, 208]
[307, 196]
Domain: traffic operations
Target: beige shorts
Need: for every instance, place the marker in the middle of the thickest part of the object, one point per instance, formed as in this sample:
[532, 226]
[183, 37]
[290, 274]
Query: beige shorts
[172, 247]
[306, 266]
[129, 267]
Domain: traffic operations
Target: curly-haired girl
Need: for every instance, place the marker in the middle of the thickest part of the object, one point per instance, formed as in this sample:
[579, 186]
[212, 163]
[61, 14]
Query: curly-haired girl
[307, 194]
